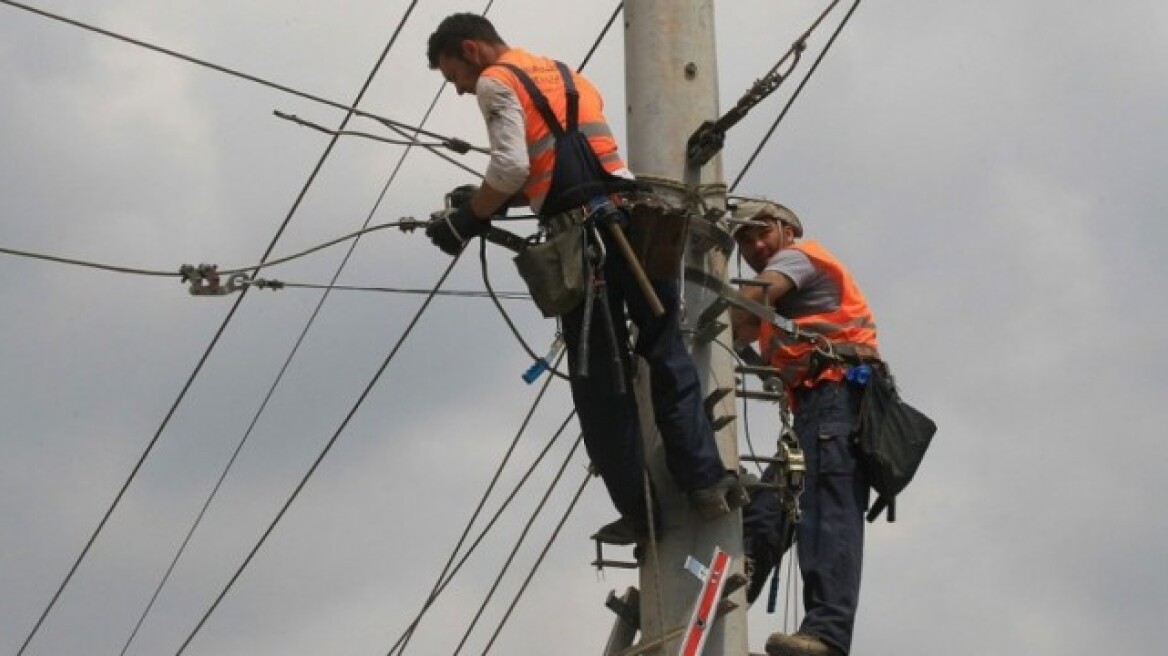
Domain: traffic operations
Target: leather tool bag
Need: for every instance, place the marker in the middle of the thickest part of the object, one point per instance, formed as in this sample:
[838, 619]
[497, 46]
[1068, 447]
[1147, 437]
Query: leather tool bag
[658, 236]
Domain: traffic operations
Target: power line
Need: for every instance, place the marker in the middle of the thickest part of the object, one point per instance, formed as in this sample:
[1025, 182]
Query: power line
[798, 90]
[603, 33]
[324, 452]
[518, 543]
[404, 224]
[210, 347]
[459, 293]
[300, 340]
[457, 145]
[539, 560]
[478, 509]
[448, 573]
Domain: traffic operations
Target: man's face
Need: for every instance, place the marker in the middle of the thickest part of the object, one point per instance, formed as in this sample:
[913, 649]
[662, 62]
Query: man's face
[462, 71]
[759, 244]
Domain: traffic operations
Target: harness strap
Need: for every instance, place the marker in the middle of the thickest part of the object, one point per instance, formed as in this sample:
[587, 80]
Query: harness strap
[541, 102]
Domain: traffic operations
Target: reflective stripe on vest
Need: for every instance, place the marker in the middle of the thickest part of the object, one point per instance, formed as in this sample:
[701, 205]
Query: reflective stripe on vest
[540, 140]
[850, 326]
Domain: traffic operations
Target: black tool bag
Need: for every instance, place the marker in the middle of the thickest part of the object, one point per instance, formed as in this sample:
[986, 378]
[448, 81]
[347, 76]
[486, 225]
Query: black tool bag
[893, 438]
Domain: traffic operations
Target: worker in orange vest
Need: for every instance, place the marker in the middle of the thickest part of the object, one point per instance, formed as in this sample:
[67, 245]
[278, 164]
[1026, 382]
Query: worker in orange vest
[807, 284]
[551, 148]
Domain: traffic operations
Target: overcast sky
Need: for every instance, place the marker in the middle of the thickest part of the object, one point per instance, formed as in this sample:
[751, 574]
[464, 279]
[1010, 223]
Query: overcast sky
[992, 172]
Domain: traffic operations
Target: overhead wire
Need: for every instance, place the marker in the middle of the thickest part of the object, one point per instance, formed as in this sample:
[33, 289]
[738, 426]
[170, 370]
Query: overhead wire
[214, 340]
[255, 419]
[458, 145]
[324, 452]
[518, 543]
[459, 293]
[479, 508]
[802, 83]
[399, 646]
[538, 561]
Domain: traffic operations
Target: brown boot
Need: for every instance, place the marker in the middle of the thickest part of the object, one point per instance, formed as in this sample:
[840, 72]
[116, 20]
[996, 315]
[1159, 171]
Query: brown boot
[799, 644]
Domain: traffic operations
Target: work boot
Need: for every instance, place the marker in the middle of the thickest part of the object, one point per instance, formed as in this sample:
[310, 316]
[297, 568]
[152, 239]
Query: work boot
[623, 531]
[799, 644]
[719, 498]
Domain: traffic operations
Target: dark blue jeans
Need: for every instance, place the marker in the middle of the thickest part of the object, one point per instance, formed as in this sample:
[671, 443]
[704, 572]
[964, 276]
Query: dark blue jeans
[830, 537]
[609, 419]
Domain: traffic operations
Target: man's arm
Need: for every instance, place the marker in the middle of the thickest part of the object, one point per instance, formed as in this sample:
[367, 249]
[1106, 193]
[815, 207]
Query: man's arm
[509, 166]
[745, 325]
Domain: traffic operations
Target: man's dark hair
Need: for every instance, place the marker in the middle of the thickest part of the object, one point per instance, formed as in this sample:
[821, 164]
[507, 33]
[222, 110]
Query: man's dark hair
[456, 28]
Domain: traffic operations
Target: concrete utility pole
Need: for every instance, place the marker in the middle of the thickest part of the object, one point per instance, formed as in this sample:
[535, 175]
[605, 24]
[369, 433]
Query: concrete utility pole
[671, 81]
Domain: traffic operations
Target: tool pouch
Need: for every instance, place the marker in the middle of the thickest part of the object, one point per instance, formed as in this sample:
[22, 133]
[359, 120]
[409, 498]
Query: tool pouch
[657, 235]
[554, 271]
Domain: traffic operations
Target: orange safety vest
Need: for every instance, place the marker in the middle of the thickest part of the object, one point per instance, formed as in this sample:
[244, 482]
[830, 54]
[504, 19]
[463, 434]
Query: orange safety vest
[540, 140]
[849, 327]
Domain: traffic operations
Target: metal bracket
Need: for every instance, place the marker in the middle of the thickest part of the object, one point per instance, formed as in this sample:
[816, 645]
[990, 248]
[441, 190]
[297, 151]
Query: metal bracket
[714, 398]
[707, 233]
[204, 280]
[600, 563]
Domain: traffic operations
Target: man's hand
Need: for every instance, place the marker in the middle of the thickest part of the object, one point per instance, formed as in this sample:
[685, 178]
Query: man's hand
[451, 228]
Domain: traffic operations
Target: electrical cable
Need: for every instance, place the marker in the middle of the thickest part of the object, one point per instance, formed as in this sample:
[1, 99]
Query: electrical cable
[408, 223]
[399, 646]
[478, 509]
[506, 317]
[324, 452]
[518, 543]
[539, 560]
[210, 347]
[794, 96]
[262, 283]
[369, 79]
[458, 145]
[603, 33]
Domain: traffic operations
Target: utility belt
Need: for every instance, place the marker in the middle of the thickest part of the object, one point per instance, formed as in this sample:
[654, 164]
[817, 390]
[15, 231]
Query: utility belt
[556, 269]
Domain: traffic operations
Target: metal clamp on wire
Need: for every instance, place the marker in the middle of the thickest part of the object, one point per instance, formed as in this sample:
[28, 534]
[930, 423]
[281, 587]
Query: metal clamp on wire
[204, 280]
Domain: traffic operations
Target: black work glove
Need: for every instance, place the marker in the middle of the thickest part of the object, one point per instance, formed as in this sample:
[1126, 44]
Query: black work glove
[604, 212]
[451, 228]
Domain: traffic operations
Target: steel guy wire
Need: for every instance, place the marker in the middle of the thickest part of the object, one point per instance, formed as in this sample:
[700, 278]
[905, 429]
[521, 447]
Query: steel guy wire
[539, 560]
[403, 640]
[519, 543]
[218, 333]
[478, 510]
[794, 96]
[324, 452]
[458, 145]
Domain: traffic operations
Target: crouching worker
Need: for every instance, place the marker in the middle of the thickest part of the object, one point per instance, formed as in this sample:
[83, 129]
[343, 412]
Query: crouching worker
[551, 147]
[808, 285]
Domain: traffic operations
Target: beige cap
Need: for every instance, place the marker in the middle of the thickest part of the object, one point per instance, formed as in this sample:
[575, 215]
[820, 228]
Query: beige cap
[753, 209]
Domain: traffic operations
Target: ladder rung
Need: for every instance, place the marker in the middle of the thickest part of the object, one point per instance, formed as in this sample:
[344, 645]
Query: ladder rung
[760, 396]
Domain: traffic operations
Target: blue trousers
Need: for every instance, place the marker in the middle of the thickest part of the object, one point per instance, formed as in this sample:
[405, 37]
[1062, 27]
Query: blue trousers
[609, 419]
[830, 536]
